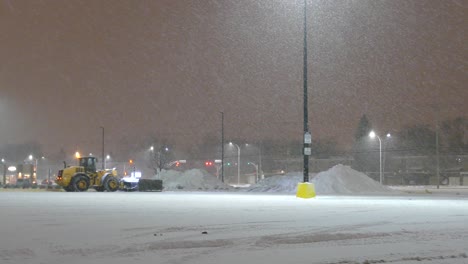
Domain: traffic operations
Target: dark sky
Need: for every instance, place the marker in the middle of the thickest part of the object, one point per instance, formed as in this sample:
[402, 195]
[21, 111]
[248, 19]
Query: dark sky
[168, 67]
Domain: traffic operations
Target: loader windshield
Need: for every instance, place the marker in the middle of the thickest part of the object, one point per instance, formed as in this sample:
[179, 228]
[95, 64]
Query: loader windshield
[89, 164]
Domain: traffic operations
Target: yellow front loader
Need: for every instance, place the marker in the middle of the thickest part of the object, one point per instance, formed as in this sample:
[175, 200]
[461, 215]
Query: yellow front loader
[84, 176]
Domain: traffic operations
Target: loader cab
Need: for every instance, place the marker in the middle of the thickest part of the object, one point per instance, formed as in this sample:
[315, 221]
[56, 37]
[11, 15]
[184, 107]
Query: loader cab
[89, 164]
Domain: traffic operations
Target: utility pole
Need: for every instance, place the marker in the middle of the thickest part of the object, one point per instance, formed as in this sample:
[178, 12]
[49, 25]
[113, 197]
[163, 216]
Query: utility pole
[222, 146]
[4, 173]
[437, 148]
[307, 138]
[103, 158]
[49, 184]
[260, 159]
[160, 162]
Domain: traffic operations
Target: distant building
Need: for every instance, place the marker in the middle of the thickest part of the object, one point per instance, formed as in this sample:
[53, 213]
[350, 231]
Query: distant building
[25, 174]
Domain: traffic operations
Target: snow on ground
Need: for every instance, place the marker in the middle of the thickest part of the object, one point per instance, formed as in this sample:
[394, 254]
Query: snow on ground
[191, 180]
[432, 189]
[230, 228]
[339, 179]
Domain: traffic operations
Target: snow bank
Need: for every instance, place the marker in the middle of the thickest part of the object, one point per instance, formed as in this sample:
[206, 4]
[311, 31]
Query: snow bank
[338, 180]
[344, 180]
[191, 180]
[279, 183]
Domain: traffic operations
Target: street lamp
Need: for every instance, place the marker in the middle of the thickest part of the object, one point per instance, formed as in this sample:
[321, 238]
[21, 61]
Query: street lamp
[385, 152]
[4, 172]
[238, 161]
[102, 150]
[161, 157]
[373, 135]
[77, 157]
[256, 169]
[108, 157]
[33, 177]
[259, 156]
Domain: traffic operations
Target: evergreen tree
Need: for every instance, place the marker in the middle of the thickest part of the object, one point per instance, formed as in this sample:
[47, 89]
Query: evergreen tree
[454, 134]
[363, 129]
[364, 158]
[416, 140]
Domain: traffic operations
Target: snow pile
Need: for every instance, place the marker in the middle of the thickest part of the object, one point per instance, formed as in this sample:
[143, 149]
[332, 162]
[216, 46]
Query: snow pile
[191, 180]
[279, 183]
[338, 180]
[344, 180]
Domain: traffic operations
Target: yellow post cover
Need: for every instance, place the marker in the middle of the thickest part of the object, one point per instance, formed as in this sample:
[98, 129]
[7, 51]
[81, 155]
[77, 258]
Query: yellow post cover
[305, 190]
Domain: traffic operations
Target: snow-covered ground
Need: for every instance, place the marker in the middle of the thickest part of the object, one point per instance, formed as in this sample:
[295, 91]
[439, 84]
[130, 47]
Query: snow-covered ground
[168, 227]
[198, 219]
[433, 190]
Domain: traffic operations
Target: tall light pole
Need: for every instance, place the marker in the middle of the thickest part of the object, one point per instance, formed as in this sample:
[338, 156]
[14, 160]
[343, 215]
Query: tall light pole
[161, 157]
[437, 147]
[259, 163]
[108, 157]
[256, 170]
[372, 135]
[4, 172]
[33, 177]
[222, 146]
[306, 189]
[385, 152]
[307, 138]
[238, 161]
[103, 159]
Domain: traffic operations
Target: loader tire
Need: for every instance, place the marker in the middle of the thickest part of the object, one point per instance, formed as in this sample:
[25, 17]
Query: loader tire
[69, 188]
[80, 183]
[111, 184]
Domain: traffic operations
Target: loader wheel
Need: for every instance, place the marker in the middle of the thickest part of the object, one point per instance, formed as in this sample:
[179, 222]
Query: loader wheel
[111, 184]
[80, 183]
[69, 188]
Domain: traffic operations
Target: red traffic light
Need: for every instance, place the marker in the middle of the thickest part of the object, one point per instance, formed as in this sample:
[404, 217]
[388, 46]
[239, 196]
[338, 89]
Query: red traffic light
[177, 164]
[208, 163]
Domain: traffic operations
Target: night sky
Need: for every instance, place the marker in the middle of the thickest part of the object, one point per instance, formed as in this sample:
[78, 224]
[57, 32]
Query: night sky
[168, 67]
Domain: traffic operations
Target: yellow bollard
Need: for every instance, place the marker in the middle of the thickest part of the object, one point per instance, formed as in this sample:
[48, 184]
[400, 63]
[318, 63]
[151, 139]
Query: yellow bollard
[305, 190]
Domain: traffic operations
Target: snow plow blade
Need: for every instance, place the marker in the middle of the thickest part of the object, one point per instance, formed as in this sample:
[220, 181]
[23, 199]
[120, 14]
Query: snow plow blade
[147, 185]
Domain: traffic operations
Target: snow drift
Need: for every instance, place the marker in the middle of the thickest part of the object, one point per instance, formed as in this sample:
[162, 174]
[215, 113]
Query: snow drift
[338, 180]
[191, 180]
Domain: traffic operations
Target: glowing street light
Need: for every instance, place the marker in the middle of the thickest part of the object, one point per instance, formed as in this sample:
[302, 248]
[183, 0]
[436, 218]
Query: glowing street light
[108, 157]
[373, 135]
[238, 161]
